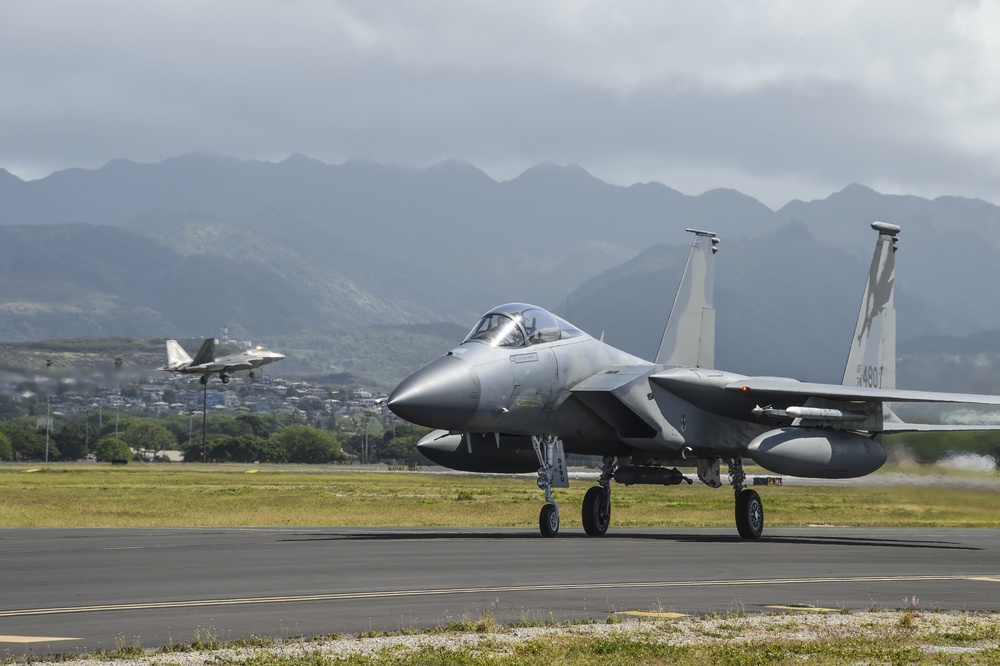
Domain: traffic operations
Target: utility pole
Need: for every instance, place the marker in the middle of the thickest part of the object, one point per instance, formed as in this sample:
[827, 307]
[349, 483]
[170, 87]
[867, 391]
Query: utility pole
[48, 364]
[46, 427]
[204, 423]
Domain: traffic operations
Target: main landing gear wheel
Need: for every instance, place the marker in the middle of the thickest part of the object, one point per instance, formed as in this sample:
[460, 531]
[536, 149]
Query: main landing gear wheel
[548, 520]
[749, 514]
[596, 511]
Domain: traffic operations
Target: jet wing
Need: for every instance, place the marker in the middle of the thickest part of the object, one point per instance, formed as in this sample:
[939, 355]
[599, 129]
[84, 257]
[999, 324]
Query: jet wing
[234, 363]
[902, 426]
[607, 394]
[204, 368]
[748, 398]
[767, 390]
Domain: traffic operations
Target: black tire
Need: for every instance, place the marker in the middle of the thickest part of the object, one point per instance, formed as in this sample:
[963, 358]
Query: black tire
[225, 378]
[548, 520]
[596, 511]
[204, 379]
[749, 514]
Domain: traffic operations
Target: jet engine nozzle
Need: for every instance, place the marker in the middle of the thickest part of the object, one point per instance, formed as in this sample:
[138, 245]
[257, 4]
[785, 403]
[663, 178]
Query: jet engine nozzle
[443, 394]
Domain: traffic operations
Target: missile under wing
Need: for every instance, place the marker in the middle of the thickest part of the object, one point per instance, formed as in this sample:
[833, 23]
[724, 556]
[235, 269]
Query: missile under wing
[526, 387]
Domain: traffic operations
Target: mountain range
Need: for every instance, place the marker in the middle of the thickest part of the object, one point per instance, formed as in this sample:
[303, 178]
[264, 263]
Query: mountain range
[301, 252]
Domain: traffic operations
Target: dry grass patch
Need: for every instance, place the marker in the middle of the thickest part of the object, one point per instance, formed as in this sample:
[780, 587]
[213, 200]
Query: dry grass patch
[158, 495]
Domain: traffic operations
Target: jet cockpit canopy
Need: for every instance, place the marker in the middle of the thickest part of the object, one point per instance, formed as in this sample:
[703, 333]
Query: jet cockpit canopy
[520, 325]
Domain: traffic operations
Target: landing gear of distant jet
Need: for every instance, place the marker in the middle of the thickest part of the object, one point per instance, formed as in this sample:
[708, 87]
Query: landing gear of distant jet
[552, 473]
[224, 377]
[252, 375]
[204, 380]
[597, 502]
[749, 508]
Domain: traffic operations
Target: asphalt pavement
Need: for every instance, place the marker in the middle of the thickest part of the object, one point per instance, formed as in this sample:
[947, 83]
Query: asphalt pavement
[80, 590]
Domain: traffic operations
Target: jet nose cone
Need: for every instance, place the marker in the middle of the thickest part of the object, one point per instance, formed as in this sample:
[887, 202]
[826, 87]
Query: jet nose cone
[442, 394]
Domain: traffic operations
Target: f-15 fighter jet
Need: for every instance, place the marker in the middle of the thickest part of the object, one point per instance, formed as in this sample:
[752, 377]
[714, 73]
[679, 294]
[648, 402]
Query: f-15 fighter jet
[526, 388]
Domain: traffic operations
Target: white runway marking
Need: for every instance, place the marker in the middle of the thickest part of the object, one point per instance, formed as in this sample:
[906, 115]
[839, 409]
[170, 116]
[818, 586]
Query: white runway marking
[343, 596]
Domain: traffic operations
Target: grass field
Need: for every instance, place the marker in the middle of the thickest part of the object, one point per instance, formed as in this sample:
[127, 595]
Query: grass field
[157, 495]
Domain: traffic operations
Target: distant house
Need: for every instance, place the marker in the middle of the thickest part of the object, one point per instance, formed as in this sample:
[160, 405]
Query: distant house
[230, 400]
[151, 393]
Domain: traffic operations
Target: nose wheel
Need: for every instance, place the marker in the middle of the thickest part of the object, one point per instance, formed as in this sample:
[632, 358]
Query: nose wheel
[548, 520]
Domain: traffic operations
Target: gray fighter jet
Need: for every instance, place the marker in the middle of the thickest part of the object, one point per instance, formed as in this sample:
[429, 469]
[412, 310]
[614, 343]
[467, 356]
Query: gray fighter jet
[526, 387]
[204, 363]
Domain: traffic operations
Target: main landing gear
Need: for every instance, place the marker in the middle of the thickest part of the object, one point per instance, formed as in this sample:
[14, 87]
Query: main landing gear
[749, 508]
[222, 376]
[597, 501]
[552, 474]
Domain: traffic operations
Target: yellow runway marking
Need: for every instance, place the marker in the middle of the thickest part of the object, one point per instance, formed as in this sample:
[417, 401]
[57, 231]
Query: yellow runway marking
[986, 579]
[669, 616]
[807, 609]
[593, 587]
[34, 639]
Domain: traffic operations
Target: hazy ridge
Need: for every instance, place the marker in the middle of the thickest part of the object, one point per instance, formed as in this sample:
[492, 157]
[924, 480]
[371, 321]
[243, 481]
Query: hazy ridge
[301, 249]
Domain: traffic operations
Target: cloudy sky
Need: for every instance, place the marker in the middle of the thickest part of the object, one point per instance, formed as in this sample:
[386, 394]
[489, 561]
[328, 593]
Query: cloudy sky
[781, 100]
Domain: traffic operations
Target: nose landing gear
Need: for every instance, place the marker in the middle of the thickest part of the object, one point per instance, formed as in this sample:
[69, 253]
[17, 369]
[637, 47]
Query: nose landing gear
[551, 474]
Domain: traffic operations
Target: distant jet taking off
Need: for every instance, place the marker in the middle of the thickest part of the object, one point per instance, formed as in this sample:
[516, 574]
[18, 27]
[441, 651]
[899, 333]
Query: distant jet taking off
[526, 387]
[204, 363]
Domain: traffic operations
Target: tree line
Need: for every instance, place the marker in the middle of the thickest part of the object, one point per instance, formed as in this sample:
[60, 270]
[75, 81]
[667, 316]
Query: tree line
[245, 438]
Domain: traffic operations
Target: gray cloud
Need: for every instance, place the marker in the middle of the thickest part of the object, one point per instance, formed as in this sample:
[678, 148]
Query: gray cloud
[781, 100]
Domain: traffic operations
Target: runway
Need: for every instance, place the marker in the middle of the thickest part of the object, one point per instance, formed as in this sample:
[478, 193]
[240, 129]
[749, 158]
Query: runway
[73, 590]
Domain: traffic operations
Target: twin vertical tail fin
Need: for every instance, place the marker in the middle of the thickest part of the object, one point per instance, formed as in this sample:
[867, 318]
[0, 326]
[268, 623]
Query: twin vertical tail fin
[176, 356]
[206, 354]
[689, 337]
[872, 360]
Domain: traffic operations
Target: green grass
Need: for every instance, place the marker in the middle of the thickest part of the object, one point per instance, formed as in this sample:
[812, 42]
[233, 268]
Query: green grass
[144, 495]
